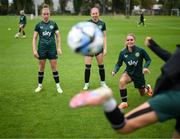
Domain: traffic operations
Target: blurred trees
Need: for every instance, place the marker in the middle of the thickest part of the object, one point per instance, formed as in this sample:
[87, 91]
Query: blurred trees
[49, 2]
[23, 5]
[83, 6]
[4, 7]
[169, 4]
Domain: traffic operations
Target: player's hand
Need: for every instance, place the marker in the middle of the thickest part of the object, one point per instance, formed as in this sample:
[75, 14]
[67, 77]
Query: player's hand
[113, 73]
[147, 43]
[36, 55]
[146, 70]
[21, 25]
[59, 51]
[104, 52]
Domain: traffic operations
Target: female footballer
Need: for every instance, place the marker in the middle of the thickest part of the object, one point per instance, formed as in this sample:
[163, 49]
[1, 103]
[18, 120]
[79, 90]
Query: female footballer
[133, 57]
[99, 56]
[48, 47]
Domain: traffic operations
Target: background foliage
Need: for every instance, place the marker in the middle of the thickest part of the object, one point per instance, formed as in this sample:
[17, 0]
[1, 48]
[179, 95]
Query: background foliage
[83, 6]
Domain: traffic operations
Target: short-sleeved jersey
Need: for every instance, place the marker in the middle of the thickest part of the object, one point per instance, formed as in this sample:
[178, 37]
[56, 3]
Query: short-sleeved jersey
[22, 19]
[133, 61]
[101, 25]
[46, 33]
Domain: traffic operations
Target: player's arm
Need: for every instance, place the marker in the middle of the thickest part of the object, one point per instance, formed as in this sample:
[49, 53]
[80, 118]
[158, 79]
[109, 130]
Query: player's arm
[34, 42]
[105, 43]
[163, 54]
[118, 64]
[25, 21]
[58, 42]
[147, 63]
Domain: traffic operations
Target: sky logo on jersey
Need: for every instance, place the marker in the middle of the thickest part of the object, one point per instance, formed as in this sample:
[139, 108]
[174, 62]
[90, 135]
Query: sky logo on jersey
[132, 63]
[46, 33]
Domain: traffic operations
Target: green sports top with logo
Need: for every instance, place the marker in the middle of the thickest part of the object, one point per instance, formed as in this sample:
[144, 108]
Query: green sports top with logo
[101, 25]
[46, 33]
[133, 61]
[22, 19]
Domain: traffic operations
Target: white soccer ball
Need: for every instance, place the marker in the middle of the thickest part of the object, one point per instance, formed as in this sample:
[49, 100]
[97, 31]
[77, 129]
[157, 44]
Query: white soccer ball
[85, 38]
[16, 36]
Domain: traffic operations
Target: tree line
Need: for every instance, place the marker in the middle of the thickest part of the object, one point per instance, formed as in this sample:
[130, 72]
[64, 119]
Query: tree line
[83, 6]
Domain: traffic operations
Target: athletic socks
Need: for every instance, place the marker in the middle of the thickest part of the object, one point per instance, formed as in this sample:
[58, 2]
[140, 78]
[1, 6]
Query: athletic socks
[101, 72]
[123, 94]
[56, 77]
[113, 114]
[40, 77]
[87, 73]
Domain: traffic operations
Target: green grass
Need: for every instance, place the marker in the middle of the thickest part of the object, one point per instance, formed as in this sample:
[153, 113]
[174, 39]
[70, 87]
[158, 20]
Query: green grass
[25, 114]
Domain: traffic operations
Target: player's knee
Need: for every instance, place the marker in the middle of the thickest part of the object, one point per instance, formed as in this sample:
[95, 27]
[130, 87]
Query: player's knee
[41, 67]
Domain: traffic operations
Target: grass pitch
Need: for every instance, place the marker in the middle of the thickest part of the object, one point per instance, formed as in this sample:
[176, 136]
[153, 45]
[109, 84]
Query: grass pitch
[25, 114]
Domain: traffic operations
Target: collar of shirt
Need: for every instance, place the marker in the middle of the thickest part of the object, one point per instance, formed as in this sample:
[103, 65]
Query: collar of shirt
[133, 49]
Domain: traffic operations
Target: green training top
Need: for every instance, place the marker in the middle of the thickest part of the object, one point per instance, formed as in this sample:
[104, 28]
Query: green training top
[22, 19]
[101, 25]
[133, 61]
[46, 33]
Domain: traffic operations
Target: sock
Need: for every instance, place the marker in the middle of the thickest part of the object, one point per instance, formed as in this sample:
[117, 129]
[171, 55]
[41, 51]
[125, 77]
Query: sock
[56, 77]
[19, 30]
[116, 118]
[101, 72]
[87, 73]
[123, 94]
[40, 78]
[23, 32]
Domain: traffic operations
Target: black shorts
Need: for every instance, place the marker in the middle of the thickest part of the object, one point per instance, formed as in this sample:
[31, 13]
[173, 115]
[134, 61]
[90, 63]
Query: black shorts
[22, 25]
[139, 82]
[47, 54]
[96, 53]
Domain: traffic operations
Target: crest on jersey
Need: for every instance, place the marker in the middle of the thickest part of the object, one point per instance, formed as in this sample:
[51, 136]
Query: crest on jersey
[51, 27]
[125, 56]
[137, 54]
[100, 26]
[41, 27]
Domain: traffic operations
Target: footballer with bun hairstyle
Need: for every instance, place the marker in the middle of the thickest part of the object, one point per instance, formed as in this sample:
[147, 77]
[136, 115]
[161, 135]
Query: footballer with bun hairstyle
[133, 56]
[48, 47]
[22, 24]
[99, 56]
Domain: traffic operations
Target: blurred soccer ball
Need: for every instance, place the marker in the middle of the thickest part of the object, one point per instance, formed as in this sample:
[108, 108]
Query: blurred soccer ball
[17, 35]
[85, 38]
